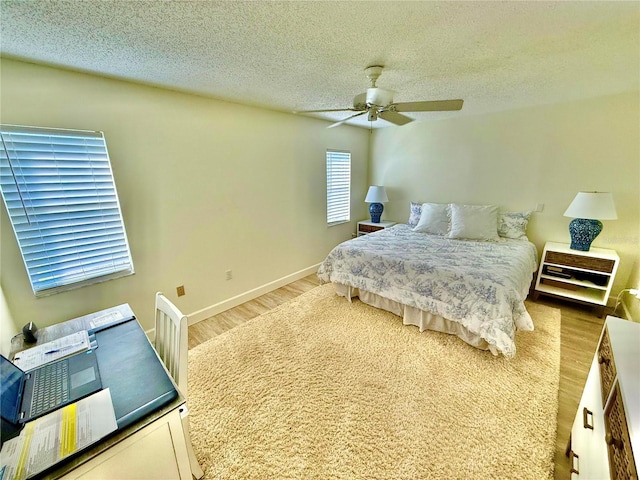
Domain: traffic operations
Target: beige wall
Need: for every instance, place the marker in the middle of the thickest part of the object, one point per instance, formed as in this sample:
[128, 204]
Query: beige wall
[205, 186]
[631, 302]
[7, 326]
[517, 159]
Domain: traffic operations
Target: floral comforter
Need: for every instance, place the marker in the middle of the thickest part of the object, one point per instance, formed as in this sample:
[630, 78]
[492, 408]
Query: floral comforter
[481, 285]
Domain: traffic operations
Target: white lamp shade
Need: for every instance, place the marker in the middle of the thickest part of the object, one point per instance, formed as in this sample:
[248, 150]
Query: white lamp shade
[592, 205]
[376, 194]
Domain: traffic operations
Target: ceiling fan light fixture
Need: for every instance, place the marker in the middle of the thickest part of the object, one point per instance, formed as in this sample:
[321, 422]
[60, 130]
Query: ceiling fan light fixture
[378, 103]
[379, 96]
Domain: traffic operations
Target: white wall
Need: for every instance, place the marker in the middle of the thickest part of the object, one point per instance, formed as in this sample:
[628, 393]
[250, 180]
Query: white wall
[631, 302]
[519, 158]
[205, 186]
[7, 326]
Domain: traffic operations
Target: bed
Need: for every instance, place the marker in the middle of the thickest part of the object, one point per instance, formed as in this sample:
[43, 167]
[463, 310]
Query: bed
[469, 288]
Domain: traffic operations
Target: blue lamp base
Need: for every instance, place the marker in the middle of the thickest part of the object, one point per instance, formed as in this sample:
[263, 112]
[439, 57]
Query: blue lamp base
[375, 210]
[583, 231]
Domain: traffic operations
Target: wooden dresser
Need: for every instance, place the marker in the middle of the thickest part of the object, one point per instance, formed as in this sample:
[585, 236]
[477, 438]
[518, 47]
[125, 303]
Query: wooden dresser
[605, 438]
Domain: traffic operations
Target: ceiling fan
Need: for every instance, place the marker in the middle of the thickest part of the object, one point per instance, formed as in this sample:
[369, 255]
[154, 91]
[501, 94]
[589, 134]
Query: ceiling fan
[378, 102]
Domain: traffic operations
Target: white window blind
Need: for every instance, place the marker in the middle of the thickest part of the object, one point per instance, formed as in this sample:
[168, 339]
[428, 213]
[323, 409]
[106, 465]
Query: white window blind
[59, 192]
[338, 186]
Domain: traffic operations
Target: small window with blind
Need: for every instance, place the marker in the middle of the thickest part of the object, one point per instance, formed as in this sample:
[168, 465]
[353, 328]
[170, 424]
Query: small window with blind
[338, 187]
[61, 199]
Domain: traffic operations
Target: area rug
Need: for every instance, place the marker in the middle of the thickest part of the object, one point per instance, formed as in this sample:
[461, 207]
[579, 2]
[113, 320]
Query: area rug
[320, 388]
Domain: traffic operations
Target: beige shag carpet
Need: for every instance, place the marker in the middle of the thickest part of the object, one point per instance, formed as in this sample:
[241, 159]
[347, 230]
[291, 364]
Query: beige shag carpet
[320, 388]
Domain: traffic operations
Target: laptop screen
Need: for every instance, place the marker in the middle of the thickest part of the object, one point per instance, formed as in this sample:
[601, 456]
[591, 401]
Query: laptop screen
[11, 379]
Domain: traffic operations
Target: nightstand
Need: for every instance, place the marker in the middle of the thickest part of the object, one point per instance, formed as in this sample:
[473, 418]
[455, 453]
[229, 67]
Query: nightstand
[367, 226]
[585, 277]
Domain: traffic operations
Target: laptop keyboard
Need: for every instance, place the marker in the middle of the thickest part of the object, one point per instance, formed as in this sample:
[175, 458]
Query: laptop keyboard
[50, 387]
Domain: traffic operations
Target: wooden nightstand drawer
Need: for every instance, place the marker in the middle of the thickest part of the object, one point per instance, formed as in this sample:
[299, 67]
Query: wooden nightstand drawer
[369, 228]
[580, 261]
[365, 227]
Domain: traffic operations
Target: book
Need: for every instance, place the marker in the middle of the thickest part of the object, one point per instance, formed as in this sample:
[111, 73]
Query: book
[556, 272]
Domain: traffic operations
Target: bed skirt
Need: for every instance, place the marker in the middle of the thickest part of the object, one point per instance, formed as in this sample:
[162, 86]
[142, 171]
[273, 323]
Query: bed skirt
[414, 316]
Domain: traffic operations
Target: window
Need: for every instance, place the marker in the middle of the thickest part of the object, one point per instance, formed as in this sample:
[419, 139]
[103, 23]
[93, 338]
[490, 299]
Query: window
[338, 187]
[61, 199]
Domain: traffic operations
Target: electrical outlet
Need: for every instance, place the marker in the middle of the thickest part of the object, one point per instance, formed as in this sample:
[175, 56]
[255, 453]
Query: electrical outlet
[229, 274]
[539, 207]
[180, 290]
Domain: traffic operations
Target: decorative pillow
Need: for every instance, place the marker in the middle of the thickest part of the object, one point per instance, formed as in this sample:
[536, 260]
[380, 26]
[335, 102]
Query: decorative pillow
[414, 214]
[513, 224]
[474, 222]
[434, 219]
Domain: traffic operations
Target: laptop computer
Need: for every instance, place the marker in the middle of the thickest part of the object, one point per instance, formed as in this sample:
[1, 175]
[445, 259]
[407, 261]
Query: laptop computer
[28, 395]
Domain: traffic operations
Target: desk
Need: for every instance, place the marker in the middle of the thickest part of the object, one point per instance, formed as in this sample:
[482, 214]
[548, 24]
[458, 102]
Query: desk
[146, 412]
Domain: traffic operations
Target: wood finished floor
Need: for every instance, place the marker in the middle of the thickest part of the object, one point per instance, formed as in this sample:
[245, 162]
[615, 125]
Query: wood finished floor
[580, 331]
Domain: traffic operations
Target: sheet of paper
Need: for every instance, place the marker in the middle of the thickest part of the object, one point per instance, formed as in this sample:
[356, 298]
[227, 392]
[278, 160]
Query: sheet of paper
[105, 319]
[48, 352]
[47, 440]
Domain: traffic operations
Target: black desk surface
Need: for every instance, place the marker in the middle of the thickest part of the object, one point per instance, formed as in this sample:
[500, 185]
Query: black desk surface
[130, 368]
[141, 390]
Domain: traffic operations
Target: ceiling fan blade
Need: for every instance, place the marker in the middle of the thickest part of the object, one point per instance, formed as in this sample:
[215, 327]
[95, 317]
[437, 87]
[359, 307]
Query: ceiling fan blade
[349, 109]
[360, 101]
[346, 119]
[429, 106]
[394, 117]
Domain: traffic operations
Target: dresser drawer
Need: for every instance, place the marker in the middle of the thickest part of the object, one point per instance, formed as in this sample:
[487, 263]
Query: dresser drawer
[607, 365]
[605, 434]
[621, 462]
[580, 261]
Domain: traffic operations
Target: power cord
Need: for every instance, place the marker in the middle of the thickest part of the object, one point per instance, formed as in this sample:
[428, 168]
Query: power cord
[632, 291]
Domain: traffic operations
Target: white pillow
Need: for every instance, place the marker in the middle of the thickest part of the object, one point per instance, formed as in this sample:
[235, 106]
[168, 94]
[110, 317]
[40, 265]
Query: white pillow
[513, 224]
[474, 222]
[434, 219]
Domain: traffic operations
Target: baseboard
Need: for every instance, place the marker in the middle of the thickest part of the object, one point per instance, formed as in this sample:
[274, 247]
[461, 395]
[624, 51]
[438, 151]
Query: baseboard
[151, 334]
[217, 308]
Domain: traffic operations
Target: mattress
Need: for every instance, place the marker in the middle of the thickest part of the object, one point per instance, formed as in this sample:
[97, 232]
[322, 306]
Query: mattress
[479, 285]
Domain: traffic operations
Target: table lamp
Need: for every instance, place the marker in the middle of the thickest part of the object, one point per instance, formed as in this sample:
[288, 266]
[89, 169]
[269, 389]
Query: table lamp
[376, 196]
[587, 209]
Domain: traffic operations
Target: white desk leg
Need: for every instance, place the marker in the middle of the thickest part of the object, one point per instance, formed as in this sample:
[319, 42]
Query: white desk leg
[196, 470]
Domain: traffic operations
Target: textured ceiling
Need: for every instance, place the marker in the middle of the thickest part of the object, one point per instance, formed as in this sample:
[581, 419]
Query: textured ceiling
[309, 55]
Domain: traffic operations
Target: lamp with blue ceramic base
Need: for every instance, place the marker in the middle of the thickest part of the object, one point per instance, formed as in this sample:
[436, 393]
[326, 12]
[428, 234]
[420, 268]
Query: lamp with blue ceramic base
[376, 196]
[587, 209]
[375, 210]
